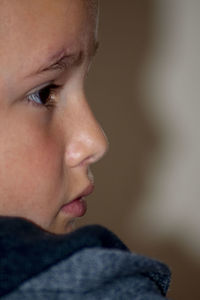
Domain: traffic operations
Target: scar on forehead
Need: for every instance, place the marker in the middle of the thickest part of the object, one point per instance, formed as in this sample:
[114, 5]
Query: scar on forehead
[55, 60]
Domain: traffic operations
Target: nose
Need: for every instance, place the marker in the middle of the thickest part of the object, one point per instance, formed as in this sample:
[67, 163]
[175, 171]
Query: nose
[87, 142]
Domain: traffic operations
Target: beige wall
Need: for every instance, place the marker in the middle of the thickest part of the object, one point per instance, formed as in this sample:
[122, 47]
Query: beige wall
[144, 89]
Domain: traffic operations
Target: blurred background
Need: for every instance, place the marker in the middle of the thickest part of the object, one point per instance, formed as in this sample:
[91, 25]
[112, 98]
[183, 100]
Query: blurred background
[143, 88]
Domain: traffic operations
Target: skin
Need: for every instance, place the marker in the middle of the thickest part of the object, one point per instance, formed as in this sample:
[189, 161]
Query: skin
[45, 153]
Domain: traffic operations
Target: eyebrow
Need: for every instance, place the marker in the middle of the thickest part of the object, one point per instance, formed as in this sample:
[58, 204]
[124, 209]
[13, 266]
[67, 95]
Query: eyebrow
[60, 59]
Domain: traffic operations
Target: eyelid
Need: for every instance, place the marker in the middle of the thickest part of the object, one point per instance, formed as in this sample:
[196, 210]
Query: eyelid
[38, 88]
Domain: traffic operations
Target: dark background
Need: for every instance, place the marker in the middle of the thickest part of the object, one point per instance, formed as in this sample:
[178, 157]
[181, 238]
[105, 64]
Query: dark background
[114, 92]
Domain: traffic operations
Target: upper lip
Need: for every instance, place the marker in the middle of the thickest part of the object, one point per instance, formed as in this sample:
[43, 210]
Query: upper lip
[87, 191]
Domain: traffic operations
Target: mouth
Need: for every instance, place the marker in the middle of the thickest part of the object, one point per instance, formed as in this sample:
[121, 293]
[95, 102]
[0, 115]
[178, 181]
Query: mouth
[78, 207]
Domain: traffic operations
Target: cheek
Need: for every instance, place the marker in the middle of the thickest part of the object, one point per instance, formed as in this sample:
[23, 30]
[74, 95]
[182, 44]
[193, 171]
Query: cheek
[30, 170]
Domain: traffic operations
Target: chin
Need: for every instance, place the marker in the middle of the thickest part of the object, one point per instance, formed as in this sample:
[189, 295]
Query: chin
[63, 228]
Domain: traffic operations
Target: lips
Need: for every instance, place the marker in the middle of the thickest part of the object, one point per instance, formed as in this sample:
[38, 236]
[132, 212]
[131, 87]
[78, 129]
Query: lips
[78, 207]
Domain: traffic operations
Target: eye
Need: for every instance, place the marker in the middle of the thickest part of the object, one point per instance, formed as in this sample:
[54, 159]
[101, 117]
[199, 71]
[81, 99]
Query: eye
[45, 96]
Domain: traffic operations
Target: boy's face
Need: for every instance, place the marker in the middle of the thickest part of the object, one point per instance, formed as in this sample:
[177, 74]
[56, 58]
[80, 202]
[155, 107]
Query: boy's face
[48, 135]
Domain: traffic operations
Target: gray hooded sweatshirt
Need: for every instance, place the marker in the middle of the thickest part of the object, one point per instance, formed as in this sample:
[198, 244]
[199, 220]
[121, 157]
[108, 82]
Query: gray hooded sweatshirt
[89, 263]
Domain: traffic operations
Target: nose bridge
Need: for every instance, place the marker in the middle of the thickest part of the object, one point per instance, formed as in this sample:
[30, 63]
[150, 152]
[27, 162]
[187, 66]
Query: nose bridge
[88, 142]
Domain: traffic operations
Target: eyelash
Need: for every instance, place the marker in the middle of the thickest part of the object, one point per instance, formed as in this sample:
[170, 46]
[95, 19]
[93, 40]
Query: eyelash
[48, 93]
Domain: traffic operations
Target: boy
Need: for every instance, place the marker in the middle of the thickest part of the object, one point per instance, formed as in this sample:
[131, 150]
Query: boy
[49, 136]
[48, 139]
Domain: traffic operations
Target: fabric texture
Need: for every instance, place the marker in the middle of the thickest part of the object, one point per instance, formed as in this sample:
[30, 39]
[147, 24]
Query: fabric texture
[89, 263]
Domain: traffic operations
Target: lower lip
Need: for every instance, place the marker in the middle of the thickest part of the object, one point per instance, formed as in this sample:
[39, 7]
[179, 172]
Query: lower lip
[76, 208]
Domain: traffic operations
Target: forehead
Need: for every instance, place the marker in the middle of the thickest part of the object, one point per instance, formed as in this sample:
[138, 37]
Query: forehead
[31, 28]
